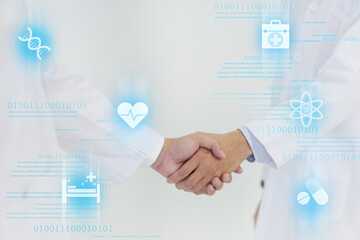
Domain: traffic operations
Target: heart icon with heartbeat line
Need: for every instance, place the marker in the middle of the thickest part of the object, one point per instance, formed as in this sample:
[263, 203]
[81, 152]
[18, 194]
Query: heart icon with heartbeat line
[132, 115]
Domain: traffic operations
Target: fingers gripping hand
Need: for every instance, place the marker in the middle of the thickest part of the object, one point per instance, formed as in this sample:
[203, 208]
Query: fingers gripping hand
[199, 172]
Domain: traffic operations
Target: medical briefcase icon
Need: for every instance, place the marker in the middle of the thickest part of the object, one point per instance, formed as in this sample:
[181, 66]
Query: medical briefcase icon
[275, 35]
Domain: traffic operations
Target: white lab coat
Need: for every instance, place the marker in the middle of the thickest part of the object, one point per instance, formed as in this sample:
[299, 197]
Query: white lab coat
[335, 66]
[24, 139]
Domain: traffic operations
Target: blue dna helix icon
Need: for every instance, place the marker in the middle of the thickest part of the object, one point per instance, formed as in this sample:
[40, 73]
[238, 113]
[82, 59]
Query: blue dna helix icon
[34, 43]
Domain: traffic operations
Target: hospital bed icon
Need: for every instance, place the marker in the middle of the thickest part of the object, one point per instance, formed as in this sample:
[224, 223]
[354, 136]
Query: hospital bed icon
[91, 190]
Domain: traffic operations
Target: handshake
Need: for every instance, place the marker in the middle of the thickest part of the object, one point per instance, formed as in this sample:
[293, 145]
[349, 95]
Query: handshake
[201, 162]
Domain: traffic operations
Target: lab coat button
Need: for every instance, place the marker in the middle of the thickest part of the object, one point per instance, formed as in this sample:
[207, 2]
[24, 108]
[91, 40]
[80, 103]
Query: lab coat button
[314, 6]
[298, 57]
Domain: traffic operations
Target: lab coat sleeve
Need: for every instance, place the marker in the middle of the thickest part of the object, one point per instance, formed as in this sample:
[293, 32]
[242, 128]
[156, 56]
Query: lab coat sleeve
[94, 128]
[338, 82]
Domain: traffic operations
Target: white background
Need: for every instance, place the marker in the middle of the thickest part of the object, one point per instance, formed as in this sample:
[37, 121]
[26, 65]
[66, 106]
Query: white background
[171, 51]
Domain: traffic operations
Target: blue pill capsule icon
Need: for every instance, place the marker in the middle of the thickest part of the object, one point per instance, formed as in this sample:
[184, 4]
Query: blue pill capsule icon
[317, 191]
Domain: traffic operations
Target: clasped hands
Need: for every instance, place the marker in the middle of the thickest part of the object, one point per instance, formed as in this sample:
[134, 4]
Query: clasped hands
[202, 162]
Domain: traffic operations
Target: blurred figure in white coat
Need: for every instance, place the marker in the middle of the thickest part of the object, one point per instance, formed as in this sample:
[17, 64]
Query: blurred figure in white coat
[335, 66]
[24, 139]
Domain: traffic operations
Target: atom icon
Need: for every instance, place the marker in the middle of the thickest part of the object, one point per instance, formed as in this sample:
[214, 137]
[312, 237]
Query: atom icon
[306, 109]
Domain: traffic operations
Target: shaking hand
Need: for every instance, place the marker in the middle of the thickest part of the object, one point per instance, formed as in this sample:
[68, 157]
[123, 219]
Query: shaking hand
[176, 152]
[200, 170]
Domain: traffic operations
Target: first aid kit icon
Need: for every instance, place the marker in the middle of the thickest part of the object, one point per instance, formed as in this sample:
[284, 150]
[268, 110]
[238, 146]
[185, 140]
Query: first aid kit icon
[275, 35]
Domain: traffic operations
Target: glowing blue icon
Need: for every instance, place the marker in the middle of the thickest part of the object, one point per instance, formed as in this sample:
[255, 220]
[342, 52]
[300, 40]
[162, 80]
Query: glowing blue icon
[316, 191]
[275, 35]
[275, 40]
[34, 43]
[303, 198]
[81, 189]
[306, 109]
[132, 115]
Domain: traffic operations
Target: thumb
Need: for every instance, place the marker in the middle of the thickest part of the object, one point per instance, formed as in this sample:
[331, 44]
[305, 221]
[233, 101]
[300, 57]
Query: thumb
[211, 144]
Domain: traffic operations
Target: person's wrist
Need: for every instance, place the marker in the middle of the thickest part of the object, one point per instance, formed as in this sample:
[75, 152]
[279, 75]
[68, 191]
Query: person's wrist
[158, 162]
[240, 139]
